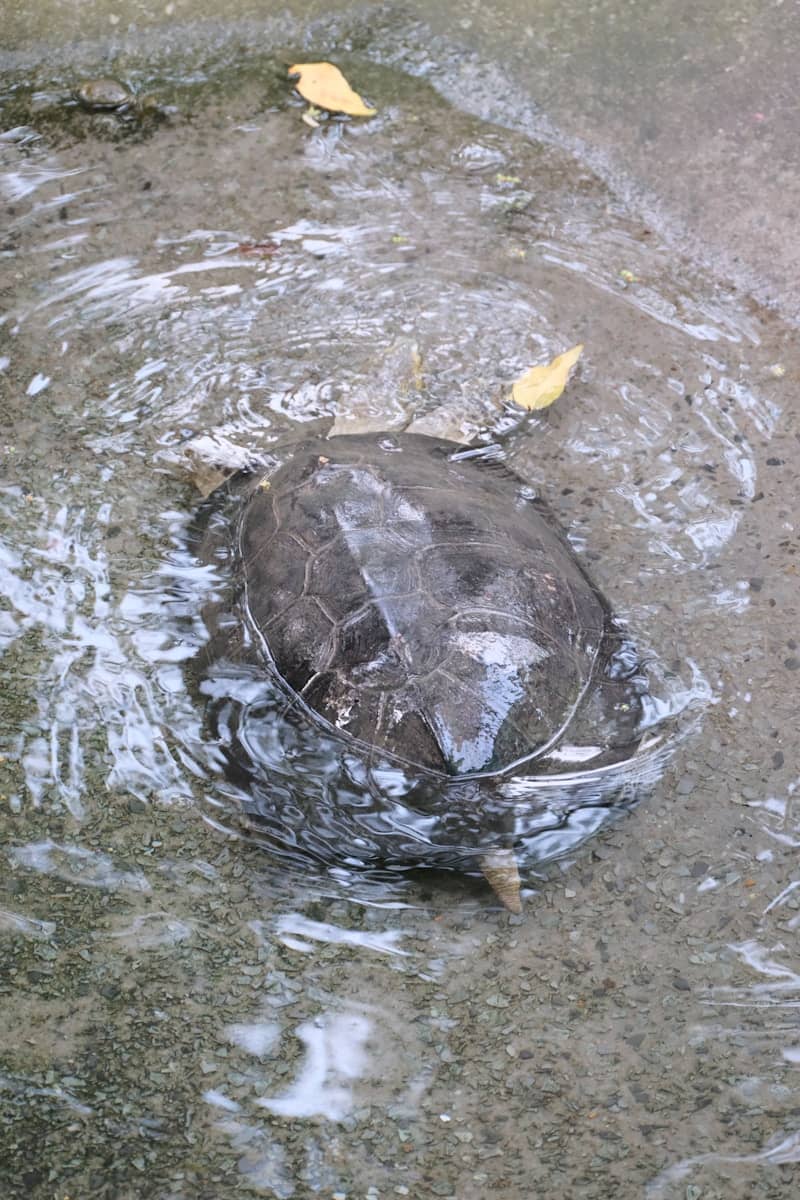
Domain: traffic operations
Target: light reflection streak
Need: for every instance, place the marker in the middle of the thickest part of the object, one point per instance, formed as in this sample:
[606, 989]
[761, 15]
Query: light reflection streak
[12, 922]
[97, 677]
[335, 1058]
[781, 1149]
[299, 933]
[79, 865]
[781, 986]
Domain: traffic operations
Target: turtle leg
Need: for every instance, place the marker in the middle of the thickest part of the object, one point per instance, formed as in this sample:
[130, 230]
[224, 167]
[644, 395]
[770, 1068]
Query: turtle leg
[502, 874]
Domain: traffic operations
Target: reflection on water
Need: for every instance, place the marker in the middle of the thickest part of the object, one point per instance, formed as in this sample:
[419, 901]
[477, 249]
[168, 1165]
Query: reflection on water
[334, 1055]
[299, 933]
[213, 1012]
[76, 865]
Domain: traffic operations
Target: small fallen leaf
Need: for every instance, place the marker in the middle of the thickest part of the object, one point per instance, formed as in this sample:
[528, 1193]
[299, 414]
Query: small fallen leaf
[324, 85]
[258, 249]
[540, 386]
[628, 276]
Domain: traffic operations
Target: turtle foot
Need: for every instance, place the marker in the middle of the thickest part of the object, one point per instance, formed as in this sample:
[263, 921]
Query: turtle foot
[502, 874]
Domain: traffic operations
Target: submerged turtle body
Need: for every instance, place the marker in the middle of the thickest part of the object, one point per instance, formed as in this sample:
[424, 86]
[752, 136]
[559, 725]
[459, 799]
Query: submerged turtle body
[419, 610]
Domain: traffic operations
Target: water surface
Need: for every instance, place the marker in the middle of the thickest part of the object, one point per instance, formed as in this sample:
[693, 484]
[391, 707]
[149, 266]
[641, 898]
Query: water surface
[189, 1016]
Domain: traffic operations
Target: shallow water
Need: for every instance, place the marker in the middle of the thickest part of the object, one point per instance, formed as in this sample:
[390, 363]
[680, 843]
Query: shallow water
[189, 1016]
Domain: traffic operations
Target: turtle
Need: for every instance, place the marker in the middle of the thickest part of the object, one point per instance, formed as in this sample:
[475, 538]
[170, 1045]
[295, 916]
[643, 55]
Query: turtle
[106, 95]
[406, 659]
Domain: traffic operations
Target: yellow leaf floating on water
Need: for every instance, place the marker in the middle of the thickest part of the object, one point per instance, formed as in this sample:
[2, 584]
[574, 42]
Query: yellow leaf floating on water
[324, 85]
[540, 386]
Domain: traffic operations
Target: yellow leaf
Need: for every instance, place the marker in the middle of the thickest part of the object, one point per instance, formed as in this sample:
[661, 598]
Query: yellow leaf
[540, 386]
[324, 85]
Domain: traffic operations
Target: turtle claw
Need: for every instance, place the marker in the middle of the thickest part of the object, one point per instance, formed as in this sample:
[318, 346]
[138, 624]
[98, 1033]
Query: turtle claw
[502, 874]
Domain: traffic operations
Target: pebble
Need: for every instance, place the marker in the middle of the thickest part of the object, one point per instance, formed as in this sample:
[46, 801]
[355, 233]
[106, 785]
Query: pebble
[497, 1001]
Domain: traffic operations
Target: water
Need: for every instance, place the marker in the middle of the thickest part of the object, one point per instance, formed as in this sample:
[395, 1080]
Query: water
[189, 1015]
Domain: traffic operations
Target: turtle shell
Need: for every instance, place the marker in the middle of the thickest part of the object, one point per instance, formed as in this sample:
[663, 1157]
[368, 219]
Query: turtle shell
[418, 601]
